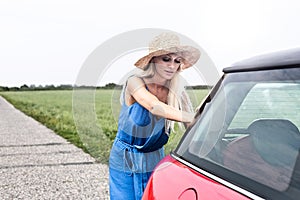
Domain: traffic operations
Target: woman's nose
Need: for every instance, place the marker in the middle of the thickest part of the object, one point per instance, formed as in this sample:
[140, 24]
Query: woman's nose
[173, 64]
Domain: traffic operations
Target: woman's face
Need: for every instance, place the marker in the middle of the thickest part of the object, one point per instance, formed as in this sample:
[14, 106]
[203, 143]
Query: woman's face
[167, 65]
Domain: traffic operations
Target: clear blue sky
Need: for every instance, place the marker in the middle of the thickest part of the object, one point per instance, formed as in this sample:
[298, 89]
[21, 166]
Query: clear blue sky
[46, 42]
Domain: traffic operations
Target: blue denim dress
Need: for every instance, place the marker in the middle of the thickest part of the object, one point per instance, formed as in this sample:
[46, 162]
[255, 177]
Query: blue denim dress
[137, 149]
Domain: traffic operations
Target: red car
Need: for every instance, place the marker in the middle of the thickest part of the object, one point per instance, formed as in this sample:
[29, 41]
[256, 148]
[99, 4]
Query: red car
[244, 142]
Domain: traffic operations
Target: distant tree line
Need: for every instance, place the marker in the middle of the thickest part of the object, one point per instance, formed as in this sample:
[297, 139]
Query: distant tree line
[199, 87]
[60, 87]
[71, 87]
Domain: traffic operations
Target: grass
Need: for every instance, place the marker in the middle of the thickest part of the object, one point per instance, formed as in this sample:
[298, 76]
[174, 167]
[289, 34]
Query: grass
[86, 118]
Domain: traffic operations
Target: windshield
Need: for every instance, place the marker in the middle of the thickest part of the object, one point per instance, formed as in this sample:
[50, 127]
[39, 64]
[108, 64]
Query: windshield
[250, 128]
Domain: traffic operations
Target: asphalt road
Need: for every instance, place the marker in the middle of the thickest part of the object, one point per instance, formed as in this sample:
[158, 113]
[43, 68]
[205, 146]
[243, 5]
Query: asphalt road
[36, 163]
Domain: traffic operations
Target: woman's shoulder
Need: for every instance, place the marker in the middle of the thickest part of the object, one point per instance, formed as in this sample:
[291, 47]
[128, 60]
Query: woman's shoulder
[135, 79]
[135, 82]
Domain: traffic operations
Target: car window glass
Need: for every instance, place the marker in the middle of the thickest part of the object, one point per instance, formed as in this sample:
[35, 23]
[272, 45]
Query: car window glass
[251, 128]
[272, 100]
[264, 134]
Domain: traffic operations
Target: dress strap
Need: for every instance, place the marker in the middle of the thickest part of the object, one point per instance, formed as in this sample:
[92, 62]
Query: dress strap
[144, 83]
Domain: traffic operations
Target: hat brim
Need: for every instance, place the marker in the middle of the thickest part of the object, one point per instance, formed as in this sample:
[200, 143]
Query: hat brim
[189, 54]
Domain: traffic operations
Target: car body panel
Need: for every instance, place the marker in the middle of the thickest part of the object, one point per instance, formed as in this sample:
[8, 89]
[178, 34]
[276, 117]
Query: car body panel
[190, 184]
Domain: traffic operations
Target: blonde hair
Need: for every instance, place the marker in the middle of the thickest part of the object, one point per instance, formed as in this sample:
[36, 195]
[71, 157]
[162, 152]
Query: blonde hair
[177, 96]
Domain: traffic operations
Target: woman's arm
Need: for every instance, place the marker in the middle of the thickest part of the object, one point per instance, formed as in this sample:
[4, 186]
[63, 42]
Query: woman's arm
[136, 88]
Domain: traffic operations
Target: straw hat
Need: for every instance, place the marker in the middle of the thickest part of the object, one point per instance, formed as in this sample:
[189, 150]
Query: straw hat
[166, 43]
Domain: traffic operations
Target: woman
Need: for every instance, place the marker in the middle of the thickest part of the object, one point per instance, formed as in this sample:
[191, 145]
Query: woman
[151, 102]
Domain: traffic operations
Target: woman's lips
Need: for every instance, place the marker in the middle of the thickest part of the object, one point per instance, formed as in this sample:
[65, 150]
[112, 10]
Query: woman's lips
[169, 72]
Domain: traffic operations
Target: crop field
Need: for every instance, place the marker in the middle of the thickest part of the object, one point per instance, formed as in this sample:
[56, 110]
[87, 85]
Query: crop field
[86, 118]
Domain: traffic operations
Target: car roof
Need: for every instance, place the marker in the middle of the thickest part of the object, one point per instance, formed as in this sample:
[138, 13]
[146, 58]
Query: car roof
[280, 59]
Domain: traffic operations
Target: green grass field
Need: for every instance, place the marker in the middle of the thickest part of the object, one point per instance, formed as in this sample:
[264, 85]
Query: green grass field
[87, 119]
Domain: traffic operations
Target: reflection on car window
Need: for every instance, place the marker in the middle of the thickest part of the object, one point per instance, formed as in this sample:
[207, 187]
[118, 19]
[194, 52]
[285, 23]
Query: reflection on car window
[267, 152]
[272, 100]
[251, 127]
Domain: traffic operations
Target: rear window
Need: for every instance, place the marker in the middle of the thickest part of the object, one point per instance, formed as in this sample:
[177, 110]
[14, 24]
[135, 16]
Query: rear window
[269, 100]
[250, 129]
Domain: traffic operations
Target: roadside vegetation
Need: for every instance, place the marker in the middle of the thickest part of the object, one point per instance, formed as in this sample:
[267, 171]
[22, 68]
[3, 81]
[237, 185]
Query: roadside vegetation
[55, 109]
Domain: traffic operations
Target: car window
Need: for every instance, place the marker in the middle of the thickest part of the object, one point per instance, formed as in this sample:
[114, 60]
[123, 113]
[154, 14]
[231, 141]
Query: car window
[251, 129]
[264, 134]
[269, 100]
